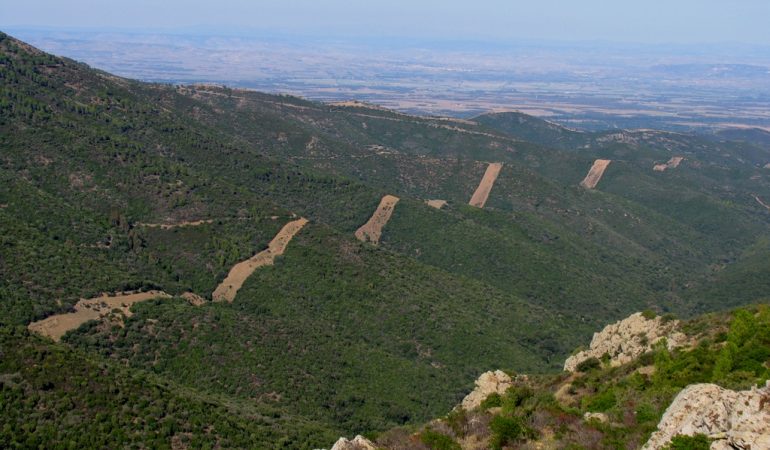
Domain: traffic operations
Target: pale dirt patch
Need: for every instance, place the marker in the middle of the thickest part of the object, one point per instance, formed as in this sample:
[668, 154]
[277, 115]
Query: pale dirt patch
[312, 144]
[595, 174]
[240, 272]
[91, 309]
[672, 163]
[438, 204]
[193, 298]
[481, 195]
[372, 229]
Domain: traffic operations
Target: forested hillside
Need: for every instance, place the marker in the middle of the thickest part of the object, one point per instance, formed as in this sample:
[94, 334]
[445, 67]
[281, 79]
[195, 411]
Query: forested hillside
[110, 185]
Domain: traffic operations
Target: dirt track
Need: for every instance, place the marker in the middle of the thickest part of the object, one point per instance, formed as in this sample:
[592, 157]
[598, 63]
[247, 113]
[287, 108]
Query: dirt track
[595, 174]
[481, 195]
[372, 229]
[761, 202]
[169, 226]
[240, 272]
[91, 309]
[672, 163]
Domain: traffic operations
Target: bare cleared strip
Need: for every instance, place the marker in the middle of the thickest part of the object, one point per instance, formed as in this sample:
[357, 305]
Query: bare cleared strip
[91, 309]
[371, 231]
[438, 204]
[672, 163]
[481, 195]
[595, 174]
[240, 272]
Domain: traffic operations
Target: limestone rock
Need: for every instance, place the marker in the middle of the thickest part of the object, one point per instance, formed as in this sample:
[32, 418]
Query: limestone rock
[628, 339]
[738, 420]
[358, 443]
[488, 383]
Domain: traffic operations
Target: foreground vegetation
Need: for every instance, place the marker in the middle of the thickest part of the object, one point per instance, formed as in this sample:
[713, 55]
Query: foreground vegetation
[731, 350]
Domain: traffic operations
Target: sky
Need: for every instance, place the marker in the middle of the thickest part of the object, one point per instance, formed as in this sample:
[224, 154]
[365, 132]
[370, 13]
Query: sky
[639, 21]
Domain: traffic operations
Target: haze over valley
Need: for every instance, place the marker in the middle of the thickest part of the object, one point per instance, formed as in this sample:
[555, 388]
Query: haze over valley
[585, 85]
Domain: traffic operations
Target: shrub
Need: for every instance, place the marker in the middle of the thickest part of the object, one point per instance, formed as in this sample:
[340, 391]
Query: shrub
[589, 365]
[600, 402]
[682, 442]
[505, 430]
[493, 400]
[437, 441]
[649, 314]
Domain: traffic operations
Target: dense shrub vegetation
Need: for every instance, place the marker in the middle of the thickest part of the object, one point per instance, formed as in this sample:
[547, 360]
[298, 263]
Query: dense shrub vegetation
[341, 337]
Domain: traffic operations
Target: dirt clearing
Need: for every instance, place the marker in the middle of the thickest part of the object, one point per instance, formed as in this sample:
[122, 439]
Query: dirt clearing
[91, 309]
[595, 174]
[481, 195]
[372, 229]
[226, 290]
[438, 204]
[672, 163]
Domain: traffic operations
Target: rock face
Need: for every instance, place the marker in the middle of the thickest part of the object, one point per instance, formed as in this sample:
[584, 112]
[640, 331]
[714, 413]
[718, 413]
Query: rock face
[488, 383]
[628, 339]
[358, 443]
[737, 420]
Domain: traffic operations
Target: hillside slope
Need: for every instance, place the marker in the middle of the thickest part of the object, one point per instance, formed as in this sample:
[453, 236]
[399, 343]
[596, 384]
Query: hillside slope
[662, 395]
[110, 185]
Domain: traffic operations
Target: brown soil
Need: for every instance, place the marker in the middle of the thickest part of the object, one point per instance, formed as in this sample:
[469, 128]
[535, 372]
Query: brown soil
[595, 174]
[438, 204]
[240, 272]
[193, 298]
[372, 229]
[672, 163]
[91, 309]
[481, 195]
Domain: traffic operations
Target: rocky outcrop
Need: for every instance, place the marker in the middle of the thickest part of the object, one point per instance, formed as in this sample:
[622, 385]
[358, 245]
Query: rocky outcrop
[737, 420]
[628, 339]
[488, 383]
[358, 443]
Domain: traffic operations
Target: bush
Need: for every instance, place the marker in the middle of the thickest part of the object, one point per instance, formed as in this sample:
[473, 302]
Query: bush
[505, 430]
[600, 402]
[437, 441]
[493, 400]
[649, 314]
[589, 364]
[682, 442]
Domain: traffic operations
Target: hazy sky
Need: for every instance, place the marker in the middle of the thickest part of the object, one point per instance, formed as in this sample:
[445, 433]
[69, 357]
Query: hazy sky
[646, 21]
